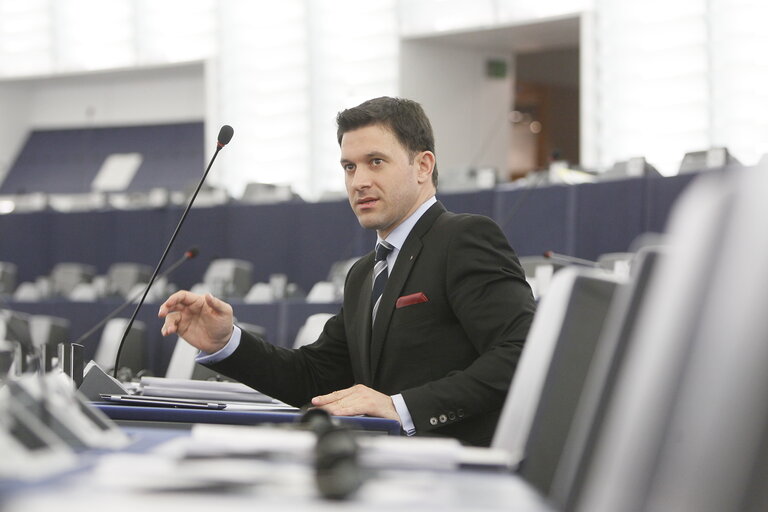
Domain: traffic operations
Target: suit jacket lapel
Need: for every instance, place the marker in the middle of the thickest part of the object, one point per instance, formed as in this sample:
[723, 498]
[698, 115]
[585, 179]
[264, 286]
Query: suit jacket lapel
[360, 349]
[396, 281]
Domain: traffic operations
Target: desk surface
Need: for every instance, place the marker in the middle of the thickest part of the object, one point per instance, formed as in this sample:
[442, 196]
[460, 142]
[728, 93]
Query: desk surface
[128, 482]
[135, 415]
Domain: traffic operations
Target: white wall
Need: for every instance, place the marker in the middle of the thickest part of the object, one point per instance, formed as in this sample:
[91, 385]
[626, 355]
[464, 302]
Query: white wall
[674, 77]
[468, 110]
[658, 78]
[652, 86]
[429, 17]
[14, 101]
[121, 97]
[588, 127]
[276, 71]
[282, 72]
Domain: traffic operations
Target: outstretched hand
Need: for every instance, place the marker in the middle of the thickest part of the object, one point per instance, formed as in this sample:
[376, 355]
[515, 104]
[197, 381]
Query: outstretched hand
[358, 399]
[204, 321]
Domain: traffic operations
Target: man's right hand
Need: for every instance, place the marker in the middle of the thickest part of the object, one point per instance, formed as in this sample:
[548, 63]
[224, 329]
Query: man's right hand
[204, 321]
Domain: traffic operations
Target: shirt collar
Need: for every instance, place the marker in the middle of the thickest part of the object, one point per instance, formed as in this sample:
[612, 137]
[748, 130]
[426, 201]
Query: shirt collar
[400, 233]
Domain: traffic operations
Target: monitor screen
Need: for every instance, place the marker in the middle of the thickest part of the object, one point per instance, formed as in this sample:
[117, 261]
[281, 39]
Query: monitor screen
[576, 344]
[552, 368]
[621, 322]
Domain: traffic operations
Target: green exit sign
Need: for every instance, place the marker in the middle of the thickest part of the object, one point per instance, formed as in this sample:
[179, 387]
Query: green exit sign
[496, 68]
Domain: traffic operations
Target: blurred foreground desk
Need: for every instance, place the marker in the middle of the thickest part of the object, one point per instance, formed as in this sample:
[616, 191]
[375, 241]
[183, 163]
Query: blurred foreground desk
[147, 476]
[166, 417]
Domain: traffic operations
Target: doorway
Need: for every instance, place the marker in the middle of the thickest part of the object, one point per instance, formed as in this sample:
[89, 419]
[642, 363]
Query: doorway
[544, 120]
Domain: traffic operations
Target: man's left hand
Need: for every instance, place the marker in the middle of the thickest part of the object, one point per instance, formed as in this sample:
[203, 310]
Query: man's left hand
[358, 399]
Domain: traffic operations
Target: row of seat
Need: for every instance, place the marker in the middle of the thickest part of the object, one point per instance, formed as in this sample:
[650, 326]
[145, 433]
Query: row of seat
[231, 278]
[80, 281]
[123, 167]
[225, 278]
[71, 161]
[228, 278]
[155, 197]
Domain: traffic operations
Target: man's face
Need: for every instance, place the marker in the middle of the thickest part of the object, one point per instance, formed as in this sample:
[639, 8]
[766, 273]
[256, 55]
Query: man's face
[383, 184]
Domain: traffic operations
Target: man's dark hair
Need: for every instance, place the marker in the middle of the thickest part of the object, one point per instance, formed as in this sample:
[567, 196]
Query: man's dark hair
[405, 118]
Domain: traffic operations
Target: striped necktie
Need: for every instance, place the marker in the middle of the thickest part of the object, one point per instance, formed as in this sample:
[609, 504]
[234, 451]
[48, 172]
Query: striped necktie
[380, 274]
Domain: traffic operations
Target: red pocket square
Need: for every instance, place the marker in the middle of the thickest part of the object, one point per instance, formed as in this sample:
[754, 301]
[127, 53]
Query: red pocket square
[409, 300]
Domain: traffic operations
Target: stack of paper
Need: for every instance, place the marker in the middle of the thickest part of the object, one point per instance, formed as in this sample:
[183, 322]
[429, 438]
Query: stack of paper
[204, 390]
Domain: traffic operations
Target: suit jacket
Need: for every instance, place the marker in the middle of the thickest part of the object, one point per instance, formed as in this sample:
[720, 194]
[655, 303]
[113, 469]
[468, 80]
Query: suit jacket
[451, 357]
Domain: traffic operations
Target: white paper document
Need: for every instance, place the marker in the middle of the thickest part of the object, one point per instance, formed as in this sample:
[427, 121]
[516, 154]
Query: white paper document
[204, 390]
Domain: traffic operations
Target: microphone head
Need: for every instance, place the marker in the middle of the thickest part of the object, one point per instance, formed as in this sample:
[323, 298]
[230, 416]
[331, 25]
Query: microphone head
[192, 253]
[225, 135]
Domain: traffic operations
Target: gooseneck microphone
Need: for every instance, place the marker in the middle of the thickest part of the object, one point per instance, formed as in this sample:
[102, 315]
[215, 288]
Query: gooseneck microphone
[225, 135]
[569, 260]
[188, 255]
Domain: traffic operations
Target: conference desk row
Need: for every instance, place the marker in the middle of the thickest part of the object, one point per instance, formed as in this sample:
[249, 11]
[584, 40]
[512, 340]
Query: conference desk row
[183, 418]
[303, 240]
[149, 425]
[151, 472]
[143, 477]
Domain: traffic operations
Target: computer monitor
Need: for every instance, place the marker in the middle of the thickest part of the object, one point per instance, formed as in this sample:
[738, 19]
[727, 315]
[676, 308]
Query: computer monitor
[620, 323]
[624, 458]
[577, 343]
[544, 392]
[712, 158]
[713, 453]
[634, 167]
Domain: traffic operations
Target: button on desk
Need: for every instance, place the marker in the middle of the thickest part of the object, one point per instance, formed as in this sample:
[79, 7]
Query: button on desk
[170, 417]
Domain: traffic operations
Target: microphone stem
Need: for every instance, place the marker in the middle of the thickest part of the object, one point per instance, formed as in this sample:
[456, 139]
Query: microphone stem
[125, 304]
[162, 260]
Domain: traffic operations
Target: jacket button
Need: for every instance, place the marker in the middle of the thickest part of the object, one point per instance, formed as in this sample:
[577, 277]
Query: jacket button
[451, 416]
[460, 412]
[433, 421]
[443, 418]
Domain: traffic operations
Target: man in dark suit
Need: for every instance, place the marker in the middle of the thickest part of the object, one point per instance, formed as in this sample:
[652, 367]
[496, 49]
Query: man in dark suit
[429, 334]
